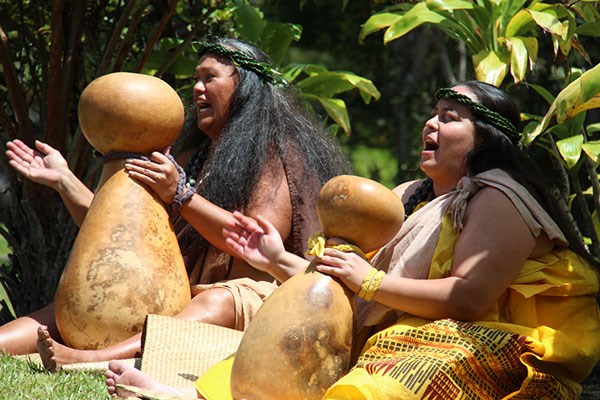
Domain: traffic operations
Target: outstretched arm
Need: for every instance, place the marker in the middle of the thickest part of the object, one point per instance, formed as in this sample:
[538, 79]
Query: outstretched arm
[259, 243]
[48, 167]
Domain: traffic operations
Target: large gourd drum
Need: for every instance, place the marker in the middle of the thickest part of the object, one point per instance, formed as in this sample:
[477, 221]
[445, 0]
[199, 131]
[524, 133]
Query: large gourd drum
[300, 341]
[125, 262]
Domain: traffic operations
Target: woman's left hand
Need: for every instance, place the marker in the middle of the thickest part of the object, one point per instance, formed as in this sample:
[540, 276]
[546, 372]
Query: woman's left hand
[159, 173]
[349, 267]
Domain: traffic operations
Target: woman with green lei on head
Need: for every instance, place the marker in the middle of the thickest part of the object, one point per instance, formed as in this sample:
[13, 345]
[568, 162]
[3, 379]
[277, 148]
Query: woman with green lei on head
[486, 292]
[256, 148]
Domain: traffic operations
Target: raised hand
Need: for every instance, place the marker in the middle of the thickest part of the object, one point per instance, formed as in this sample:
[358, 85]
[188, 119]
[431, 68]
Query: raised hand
[45, 165]
[256, 241]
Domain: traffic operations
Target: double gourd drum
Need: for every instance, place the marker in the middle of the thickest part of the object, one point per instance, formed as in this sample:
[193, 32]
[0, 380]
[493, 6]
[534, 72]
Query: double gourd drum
[125, 262]
[300, 341]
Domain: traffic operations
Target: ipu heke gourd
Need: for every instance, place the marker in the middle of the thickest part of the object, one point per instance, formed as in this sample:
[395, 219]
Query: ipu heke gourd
[125, 262]
[300, 341]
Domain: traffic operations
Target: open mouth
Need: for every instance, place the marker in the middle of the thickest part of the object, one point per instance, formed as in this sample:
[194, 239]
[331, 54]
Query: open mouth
[430, 145]
[202, 105]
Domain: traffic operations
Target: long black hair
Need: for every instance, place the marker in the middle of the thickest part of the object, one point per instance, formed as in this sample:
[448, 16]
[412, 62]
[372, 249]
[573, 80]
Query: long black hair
[266, 123]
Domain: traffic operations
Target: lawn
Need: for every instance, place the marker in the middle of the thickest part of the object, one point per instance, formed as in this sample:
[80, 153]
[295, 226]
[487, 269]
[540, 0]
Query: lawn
[20, 379]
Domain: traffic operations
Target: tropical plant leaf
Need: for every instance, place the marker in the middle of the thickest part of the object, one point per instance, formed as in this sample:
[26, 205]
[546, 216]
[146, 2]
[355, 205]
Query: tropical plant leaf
[336, 109]
[249, 22]
[542, 91]
[592, 149]
[330, 83]
[415, 17]
[518, 58]
[580, 95]
[276, 38]
[519, 24]
[376, 23]
[570, 149]
[593, 128]
[447, 5]
[490, 67]
[550, 23]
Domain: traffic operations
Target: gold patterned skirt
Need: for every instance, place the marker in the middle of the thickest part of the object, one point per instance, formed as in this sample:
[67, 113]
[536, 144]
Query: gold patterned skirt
[447, 359]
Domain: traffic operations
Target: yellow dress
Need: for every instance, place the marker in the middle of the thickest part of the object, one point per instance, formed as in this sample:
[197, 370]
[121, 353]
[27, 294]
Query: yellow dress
[538, 342]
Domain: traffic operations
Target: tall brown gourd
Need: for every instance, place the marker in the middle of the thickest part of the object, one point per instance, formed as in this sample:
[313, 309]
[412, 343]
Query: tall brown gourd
[300, 341]
[125, 262]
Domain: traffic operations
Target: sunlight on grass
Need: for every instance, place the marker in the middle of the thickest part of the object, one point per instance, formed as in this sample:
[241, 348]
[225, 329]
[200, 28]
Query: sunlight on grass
[22, 380]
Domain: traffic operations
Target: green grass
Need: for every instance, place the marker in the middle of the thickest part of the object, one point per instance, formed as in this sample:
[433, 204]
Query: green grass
[20, 379]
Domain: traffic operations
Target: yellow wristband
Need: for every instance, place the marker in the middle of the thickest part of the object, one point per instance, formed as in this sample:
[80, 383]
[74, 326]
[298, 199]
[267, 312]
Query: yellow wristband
[364, 287]
[375, 282]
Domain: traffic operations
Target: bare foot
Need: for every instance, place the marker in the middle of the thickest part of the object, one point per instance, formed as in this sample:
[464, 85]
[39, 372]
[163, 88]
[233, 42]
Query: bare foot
[54, 355]
[121, 374]
[46, 349]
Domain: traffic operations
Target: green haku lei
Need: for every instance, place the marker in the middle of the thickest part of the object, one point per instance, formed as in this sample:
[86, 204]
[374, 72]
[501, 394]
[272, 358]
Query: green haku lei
[264, 70]
[491, 116]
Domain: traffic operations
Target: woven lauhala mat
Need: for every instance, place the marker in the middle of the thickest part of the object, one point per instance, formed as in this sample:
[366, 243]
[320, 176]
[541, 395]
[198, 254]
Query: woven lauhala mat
[176, 352]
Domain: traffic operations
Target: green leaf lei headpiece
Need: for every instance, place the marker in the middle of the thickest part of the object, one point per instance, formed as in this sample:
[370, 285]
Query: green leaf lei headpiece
[264, 70]
[491, 116]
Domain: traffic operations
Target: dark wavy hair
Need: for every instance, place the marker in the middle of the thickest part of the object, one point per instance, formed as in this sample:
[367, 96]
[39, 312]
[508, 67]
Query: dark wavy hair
[493, 149]
[265, 122]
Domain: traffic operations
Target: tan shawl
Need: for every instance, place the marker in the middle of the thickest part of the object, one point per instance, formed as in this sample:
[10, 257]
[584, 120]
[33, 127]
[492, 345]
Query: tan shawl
[410, 253]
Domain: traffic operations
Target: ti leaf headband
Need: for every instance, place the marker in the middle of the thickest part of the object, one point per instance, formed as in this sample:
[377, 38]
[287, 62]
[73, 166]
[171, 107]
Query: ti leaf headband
[491, 116]
[264, 70]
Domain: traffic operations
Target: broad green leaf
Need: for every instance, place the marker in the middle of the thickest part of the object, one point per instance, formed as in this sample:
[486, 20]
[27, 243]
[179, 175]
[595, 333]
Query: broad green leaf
[276, 38]
[328, 84]
[550, 23]
[589, 12]
[336, 109]
[518, 58]
[580, 95]
[293, 70]
[415, 17]
[249, 22]
[520, 23]
[570, 149]
[593, 128]
[365, 86]
[530, 117]
[592, 149]
[446, 5]
[490, 67]
[532, 46]
[377, 22]
[582, 99]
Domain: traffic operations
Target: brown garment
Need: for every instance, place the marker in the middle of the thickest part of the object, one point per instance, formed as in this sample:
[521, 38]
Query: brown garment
[248, 295]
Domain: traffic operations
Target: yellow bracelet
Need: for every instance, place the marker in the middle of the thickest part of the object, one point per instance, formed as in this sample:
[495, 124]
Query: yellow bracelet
[316, 245]
[377, 279]
[318, 242]
[366, 283]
